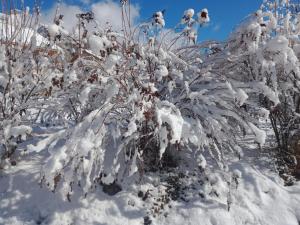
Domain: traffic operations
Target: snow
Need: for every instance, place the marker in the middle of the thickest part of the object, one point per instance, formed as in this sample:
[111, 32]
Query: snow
[201, 161]
[188, 16]
[158, 19]
[241, 97]
[111, 62]
[272, 23]
[237, 173]
[232, 91]
[23, 202]
[189, 13]
[98, 44]
[109, 179]
[163, 141]
[203, 16]
[131, 128]
[159, 14]
[21, 130]
[84, 95]
[42, 144]
[161, 21]
[259, 199]
[71, 76]
[267, 91]
[264, 113]
[167, 114]
[278, 44]
[54, 30]
[161, 72]
[254, 204]
[260, 135]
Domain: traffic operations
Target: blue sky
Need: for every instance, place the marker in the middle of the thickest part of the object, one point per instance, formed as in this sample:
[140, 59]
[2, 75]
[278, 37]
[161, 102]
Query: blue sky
[224, 14]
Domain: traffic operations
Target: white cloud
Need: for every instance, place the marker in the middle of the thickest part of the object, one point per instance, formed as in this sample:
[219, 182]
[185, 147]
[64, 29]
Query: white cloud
[105, 11]
[109, 11]
[69, 12]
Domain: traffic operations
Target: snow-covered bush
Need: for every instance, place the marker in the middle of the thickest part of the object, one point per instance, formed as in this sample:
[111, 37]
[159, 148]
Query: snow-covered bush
[126, 107]
[118, 104]
[31, 70]
[191, 24]
[262, 54]
[23, 71]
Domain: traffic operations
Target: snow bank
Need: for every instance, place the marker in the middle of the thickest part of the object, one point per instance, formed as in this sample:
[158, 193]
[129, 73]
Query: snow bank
[259, 199]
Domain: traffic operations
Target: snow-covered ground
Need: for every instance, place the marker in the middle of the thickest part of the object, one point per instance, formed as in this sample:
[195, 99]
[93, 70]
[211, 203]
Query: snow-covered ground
[259, 199]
